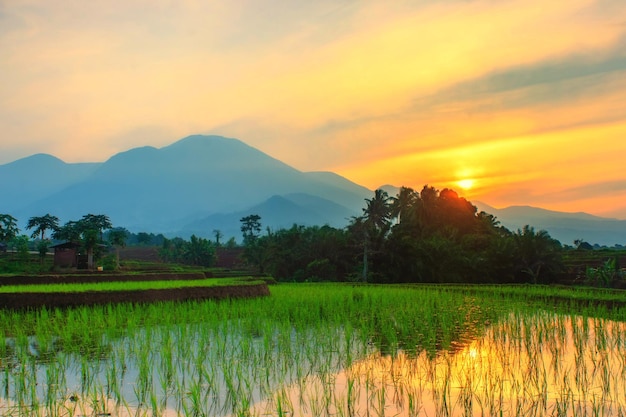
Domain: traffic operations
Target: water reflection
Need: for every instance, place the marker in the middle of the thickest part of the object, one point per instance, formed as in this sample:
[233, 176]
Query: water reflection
[538, 365]
[526, 365]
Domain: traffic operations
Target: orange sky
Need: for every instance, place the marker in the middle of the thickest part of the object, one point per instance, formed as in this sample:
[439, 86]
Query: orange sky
[527, 98]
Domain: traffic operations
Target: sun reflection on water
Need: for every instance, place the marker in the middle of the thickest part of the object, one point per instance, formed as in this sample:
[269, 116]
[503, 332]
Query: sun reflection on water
[525, 366]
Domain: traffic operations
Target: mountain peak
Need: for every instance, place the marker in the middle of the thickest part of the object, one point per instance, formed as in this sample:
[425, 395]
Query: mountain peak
[38, 159]
[194, 141]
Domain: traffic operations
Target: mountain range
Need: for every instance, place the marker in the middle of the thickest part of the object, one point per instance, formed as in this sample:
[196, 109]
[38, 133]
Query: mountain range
[204, 183]
[566, 227]
[195, 185]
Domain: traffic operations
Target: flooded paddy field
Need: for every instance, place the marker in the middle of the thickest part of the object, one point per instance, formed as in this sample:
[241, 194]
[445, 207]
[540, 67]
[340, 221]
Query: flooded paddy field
[320, 350]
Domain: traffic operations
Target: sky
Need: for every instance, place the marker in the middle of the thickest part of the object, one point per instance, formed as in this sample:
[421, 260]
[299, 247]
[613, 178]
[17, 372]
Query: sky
[509, 102]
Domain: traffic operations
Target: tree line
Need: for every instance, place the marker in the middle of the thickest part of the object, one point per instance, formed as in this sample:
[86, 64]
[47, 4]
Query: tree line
[94, 233]
[427, 236]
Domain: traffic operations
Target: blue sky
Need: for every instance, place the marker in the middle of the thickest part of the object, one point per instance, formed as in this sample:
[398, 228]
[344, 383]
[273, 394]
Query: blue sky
[522, 101]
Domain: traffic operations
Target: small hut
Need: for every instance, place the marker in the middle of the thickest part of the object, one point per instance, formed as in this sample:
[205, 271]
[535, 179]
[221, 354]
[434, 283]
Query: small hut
[66, 254]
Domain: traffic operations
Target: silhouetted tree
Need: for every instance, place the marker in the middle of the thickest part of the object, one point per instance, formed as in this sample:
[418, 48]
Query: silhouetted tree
[403, 205]
[538, 254]
[250, 228]
[41, 224]
[218, 235]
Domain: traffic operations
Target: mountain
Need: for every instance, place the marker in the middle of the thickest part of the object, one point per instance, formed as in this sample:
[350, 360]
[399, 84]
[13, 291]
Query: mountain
[566, 227]
[172, 188]
[27, 180]
[276, 212]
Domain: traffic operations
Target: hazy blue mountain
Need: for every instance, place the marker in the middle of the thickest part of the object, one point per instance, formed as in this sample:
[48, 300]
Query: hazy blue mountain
[166, 189]
[566, 227]
[30, 179]
[276, 212]
[201, 183]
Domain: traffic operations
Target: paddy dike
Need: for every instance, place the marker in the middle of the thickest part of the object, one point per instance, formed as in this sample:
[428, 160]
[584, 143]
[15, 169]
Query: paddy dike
[31, 300]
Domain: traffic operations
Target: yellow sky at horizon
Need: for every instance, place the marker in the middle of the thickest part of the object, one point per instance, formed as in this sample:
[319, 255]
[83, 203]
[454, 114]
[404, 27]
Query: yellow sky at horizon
[525, 98]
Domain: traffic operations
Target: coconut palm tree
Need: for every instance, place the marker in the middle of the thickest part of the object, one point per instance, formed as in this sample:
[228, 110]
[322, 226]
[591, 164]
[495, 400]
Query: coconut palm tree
[403, 204]
[372, 227]
[378, 211]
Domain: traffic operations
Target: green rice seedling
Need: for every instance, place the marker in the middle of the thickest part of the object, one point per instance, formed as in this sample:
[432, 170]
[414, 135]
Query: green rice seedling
[328, 348]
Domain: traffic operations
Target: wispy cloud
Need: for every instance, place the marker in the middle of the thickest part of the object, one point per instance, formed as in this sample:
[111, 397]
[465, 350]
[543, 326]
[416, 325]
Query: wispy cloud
[405, 93]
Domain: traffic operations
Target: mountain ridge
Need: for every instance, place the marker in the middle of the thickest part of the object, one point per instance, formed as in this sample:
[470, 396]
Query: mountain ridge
[199, 177]
[564, 226]
[166, 189]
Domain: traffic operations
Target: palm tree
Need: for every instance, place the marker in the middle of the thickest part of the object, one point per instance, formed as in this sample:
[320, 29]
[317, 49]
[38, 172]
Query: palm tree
[539, 255]
[41, 224]
[358, 229]
[8, 227]
[378, 211]
[373, 225]
[403, 204]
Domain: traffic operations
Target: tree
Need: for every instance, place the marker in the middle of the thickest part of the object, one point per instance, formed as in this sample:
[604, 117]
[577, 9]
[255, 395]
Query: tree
[70, 231]
[144, 238]
[374, 225]
[539, 255]
[8, 227]
[250, 228]
[98, 222]
[90, 241]
[92, 227]
[218, 235]
[42, 248]
[117, 238]
[358, 229]
[41, 224]
[403, 204]
[199, 251]
[378, 211]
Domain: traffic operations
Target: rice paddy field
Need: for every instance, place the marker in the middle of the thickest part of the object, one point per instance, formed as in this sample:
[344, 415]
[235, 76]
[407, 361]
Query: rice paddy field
[324, 350]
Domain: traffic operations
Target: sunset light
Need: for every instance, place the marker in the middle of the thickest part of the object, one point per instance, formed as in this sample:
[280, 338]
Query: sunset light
[466, 184]
[403, 94]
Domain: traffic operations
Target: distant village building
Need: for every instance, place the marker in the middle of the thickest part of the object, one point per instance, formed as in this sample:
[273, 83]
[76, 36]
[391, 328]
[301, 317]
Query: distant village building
[66, 255]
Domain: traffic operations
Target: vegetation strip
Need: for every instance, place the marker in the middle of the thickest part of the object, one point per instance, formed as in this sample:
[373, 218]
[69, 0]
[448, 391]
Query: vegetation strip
[99, 277]
[124, 285]
[66, 295]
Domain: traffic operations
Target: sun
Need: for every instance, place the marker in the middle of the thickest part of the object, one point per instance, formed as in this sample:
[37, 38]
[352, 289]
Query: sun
[466, 183]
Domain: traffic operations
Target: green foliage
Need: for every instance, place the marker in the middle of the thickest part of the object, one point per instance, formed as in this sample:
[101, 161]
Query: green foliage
[604, 275]
[42, 249]
[8, 227]
[197, 251]
[109, 263]
[430, 236]
[41, 224]
[250, 228]
[20, 243]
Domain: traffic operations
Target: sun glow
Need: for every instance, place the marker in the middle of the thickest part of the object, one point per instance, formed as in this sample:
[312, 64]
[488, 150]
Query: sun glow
[466, 183]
